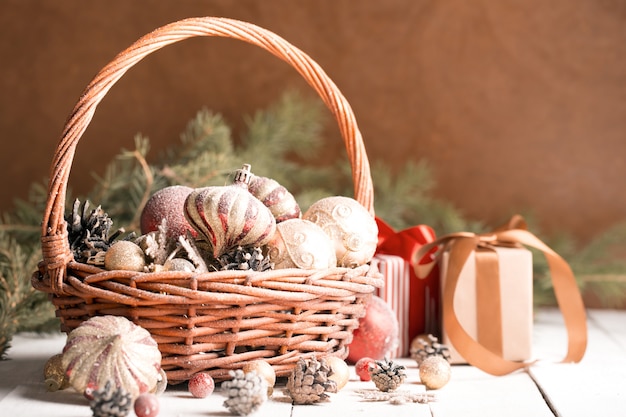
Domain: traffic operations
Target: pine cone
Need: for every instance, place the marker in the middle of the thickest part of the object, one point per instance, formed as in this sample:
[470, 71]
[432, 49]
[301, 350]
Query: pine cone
[88, 233]
[246, 392]
[421, 349]
[111, 402]
[244, 258]
[387, 375]
[309, 382]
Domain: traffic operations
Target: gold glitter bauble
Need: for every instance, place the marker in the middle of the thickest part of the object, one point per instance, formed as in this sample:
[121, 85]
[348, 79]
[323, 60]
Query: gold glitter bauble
[301, 244]
[54, 374]
[178, 264]
[435, 372]
[265, 371]
[349, 225]
[341, 371]
[124, 255]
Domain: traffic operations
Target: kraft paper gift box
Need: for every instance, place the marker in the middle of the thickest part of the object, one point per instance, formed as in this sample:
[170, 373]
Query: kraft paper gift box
[501, 318]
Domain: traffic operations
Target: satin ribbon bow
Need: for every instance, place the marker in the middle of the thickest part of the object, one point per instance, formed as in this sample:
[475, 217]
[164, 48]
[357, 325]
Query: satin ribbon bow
[460, 245]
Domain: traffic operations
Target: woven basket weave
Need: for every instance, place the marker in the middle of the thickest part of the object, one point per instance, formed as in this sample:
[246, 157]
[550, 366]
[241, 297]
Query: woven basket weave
[213, 321]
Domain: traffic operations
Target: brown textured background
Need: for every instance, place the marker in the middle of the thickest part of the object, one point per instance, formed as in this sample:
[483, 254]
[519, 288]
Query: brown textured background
[518, 105]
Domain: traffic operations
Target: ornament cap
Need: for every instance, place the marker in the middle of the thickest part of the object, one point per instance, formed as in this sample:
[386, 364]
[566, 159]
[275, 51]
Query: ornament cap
[243, 176]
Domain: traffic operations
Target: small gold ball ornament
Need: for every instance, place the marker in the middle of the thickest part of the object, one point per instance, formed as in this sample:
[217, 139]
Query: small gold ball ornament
[124, 255]
[341, 371]
[435, 372]
[349, 225]
[54, 374]
[265, 371]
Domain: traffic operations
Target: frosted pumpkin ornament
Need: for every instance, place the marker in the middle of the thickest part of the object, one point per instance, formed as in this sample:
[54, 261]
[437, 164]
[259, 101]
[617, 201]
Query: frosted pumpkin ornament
[111, 348]
[349, 225]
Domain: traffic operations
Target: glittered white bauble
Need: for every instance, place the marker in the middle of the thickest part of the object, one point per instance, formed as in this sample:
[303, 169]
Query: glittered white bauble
[350, 226]
[112, 348]
[435, 372]
[302, 244]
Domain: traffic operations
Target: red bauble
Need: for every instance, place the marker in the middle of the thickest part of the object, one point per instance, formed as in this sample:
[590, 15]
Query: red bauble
[167, 203]
[201, 385]
[377, 334]
[146, 405]
[362, 368]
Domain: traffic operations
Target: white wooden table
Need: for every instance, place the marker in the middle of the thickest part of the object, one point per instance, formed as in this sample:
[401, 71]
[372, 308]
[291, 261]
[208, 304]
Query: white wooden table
[595, 387]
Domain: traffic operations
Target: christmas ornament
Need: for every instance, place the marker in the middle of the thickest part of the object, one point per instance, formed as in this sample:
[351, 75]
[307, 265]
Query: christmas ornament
[277, 198]
[229, 216]
[110, 401]
[302, 244]
[161, 385]
[309, 382]
[201, 385]
[178, 264]
[146, 405]
[387, 375]
[111, 348]
[350, 226]
[424, 346]
[435, 372]
[246, 392]
[125, 255]
[167, 203]
[340, 372]
[54, 374]
[377, 334]
[362, 368]
[265, 371]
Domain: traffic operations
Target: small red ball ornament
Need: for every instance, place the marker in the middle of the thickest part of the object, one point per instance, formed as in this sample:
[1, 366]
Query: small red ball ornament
[362, 368]
[146, 405]
[201, 385]
[377, 334]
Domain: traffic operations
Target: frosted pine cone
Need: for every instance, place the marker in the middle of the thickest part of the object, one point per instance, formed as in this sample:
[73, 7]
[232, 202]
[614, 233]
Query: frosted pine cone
[110, 402]
[421, 349]
[309, 382]
[246, 392]
[387, 375]
[244, 258]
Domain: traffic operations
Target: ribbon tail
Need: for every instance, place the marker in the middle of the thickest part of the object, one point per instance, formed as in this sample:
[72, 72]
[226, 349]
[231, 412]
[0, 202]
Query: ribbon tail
[566, 291]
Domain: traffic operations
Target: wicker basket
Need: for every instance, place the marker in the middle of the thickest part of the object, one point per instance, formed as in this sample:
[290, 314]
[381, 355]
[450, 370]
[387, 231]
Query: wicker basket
[214, 321]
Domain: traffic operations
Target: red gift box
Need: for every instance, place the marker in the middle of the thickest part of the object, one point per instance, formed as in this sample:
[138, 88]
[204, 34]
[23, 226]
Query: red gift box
[415, 301]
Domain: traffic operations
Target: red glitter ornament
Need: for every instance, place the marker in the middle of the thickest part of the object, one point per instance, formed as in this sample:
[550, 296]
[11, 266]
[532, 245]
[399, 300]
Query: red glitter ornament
[201, 385]
[167, 203]
[146, 405]
[362, 368]
[377, 334]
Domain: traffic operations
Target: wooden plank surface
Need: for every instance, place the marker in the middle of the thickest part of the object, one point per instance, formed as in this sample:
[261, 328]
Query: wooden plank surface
[592, 388]
[595, 386]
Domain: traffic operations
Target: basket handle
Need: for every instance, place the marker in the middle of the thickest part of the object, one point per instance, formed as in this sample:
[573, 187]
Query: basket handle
[55, 246]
